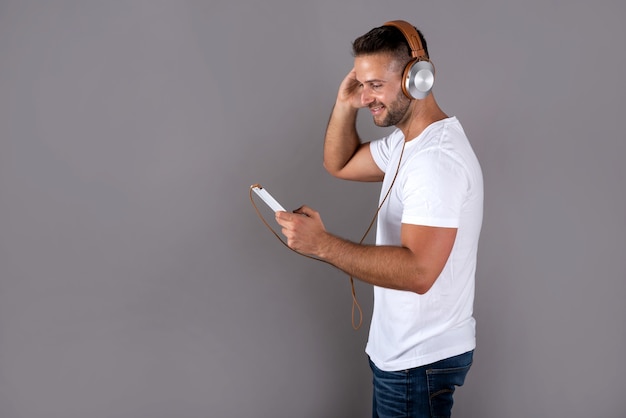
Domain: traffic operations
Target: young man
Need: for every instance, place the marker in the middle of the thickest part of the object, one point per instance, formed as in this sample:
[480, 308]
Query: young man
[422, 334]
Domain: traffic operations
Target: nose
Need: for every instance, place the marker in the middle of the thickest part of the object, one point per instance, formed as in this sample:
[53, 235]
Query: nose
[366, 96]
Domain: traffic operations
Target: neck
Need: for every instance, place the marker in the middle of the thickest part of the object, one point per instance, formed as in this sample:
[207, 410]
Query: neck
[421, 114]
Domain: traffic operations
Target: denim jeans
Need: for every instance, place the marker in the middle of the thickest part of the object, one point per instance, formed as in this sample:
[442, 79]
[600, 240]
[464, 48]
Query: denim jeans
[422, 392]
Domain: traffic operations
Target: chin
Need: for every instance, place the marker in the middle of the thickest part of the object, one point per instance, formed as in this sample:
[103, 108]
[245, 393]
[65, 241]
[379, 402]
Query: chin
[382, 123]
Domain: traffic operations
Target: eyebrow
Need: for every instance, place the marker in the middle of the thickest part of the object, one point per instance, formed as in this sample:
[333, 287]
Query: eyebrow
[376, 80]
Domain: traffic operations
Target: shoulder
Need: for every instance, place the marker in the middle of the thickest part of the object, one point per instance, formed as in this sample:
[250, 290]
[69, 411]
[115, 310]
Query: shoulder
[383, 148]
[390, 141]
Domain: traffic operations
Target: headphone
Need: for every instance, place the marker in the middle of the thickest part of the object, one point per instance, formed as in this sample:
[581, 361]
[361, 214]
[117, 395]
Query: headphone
[419, 73]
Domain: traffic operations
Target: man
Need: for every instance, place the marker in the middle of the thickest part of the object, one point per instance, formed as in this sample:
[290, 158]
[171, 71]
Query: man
[422, 333]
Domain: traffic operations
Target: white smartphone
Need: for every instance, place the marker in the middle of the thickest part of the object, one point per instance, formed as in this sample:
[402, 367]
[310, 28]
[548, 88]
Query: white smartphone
[267, 198]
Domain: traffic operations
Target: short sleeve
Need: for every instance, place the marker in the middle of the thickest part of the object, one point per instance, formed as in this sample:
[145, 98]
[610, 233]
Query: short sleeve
[382, 148]
[434, 190]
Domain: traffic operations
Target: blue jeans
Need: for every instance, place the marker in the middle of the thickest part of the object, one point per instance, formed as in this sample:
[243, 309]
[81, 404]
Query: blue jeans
[422, 392]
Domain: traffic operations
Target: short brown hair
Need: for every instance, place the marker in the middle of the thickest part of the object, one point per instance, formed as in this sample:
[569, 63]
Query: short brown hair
[386, 39]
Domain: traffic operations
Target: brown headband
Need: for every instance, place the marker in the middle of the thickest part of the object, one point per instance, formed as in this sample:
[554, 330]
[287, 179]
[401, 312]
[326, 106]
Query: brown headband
[412, 37]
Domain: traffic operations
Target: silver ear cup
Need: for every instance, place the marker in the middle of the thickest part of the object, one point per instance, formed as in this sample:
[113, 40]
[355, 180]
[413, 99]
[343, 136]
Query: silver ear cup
[420, 79]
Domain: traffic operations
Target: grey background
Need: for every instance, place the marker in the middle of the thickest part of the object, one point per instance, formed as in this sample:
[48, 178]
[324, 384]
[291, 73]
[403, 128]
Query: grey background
[137, 281]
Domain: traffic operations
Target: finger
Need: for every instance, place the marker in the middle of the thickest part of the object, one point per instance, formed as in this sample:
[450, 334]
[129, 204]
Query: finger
[283, 215]
[282, 218]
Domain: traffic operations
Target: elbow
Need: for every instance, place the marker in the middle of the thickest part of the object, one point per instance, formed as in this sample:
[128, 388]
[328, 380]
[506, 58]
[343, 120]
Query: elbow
[330, 170]
[422, 284]
[333, 170]
[422, 290]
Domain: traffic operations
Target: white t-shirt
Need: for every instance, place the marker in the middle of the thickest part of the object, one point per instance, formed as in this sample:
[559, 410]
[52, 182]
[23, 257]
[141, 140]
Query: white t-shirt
[439, 184]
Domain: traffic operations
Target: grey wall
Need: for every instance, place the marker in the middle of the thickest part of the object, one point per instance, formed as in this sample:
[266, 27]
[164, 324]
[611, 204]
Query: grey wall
[137, 281]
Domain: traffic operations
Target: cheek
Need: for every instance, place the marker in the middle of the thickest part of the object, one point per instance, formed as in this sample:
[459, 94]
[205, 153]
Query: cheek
[401, 97]
[395, 95]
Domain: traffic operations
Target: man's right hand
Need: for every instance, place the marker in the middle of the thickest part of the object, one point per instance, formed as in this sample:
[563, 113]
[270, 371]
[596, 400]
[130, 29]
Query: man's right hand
[350, 91]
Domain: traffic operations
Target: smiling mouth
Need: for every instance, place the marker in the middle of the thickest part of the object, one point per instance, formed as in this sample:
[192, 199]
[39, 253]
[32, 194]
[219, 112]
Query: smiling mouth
[376, 109]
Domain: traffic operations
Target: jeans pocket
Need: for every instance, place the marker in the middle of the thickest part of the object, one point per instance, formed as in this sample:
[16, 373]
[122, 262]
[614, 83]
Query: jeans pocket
[441, 386]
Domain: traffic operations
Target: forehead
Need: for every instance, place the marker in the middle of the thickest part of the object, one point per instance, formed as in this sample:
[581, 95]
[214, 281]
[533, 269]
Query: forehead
[376, 67]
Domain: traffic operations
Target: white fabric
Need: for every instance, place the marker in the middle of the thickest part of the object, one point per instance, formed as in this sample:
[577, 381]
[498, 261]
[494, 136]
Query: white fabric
[439, 184]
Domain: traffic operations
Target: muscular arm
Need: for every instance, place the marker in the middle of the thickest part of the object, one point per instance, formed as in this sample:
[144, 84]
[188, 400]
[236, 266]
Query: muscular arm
[413, 266]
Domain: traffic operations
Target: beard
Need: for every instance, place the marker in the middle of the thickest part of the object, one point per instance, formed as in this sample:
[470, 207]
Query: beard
[395, 111]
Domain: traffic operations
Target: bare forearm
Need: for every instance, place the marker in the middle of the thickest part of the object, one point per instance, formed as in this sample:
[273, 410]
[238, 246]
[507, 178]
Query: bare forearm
[413, 265]
[385, 266]
[341, 140]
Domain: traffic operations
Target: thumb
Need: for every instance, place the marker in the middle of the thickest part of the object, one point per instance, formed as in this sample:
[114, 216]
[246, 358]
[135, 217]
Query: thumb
[305, 210]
